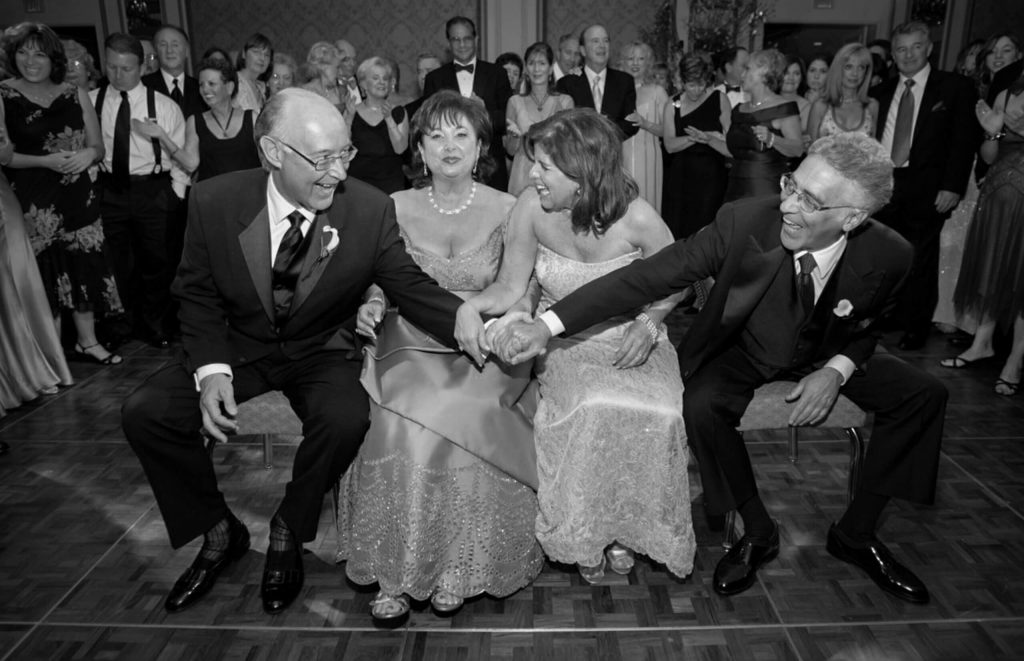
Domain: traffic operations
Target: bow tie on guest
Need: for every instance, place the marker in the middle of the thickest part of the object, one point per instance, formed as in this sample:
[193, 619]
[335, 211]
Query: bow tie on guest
[468, 68]
[732, 88]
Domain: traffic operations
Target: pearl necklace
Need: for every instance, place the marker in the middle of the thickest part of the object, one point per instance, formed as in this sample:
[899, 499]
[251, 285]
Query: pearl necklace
[451, 212]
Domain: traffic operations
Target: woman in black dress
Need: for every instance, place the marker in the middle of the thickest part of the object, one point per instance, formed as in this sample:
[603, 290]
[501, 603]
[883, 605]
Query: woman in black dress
[380, 130]
[219, 140]
[765, 131]
[695, 122]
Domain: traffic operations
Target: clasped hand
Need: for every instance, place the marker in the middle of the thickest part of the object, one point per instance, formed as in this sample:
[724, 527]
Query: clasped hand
[513, 337]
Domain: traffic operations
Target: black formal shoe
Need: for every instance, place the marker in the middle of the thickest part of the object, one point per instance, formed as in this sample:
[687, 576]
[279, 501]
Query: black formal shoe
[880, 565]
[158, 340]
[282, 579]
[737, 570]
[960, 340]
[912, 341]
[200, 577]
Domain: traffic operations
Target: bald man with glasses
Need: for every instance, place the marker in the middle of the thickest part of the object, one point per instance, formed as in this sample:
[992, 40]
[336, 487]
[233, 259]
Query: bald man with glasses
[275, 267]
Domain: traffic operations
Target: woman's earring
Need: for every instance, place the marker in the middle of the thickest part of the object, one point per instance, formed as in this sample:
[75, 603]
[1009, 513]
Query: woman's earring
[474, 166]
[426, 173]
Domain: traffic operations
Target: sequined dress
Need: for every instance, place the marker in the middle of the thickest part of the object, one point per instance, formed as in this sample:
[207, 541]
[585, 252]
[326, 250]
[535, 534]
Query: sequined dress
[438, 495]
[611, 447]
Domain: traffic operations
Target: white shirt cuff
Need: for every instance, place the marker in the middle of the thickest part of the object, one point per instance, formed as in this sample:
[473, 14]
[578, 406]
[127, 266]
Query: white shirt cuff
[204, 371]
[553, 323]
[843, 365]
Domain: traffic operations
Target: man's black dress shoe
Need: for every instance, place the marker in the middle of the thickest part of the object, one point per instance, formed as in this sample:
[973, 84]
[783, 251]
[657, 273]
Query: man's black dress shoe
[200, 577]
[912, 341]
[282, 579]
[737, 570]
[158, 341]
[880, 565]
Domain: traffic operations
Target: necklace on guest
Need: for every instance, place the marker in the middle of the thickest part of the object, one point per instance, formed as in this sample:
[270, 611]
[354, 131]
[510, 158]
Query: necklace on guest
[223, 127]
[540, 104]
[759, 103]
[457, 210]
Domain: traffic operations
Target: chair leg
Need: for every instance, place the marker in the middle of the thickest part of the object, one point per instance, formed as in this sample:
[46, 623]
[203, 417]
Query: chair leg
[730, 530]
[794, 450]
[856, 461]
[268, 451]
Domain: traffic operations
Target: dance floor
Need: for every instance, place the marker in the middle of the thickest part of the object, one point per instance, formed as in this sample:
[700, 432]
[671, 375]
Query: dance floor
[85, 563]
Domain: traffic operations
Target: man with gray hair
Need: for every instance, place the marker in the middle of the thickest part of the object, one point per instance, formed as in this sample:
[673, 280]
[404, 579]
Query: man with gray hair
[274, 270]
[797, 295]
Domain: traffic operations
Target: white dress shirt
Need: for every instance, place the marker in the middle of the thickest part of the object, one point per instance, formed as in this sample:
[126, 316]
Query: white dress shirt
[465, 78]
[141, 160]
[278, 210]
[920, 80]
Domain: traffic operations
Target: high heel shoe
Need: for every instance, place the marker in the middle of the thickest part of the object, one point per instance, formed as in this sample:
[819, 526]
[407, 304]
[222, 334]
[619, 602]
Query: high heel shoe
[592, 575]
[620, 559]
[83, 353]
[388, 607]
[445, 602]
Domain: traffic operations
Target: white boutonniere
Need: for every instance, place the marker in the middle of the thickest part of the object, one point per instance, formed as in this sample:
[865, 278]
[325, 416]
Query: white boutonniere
[328, 242]
[843, 309]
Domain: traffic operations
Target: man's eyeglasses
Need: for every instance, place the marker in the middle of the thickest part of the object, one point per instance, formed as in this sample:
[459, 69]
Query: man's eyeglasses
[807, 203]
[323, 164]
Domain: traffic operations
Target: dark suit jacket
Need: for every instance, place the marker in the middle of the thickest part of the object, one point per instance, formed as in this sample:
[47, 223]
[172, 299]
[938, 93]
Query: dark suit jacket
[490, 83]
[619, 98]
[742, 250]
[191, 103]
[946, 134]
[224, 279]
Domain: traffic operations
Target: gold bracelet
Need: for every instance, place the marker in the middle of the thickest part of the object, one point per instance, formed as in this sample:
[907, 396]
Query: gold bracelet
[652, 328]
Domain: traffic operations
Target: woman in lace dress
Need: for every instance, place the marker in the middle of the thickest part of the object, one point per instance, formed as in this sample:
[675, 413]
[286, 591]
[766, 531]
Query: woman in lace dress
[538, 101]
[439, 504]
[845, 105]
[641, 153]
[611, 447]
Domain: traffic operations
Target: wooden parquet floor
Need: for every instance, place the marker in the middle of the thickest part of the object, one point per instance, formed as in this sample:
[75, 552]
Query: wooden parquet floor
[85, 563]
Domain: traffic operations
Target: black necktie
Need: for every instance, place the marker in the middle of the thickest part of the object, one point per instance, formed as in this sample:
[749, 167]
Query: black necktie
[287, 266]
[468, 68]
[176, 94]
[122, 141]
[903, 131]
[805, 283]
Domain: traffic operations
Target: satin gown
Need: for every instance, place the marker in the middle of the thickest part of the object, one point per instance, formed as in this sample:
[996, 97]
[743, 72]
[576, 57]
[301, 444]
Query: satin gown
[641, 153]
[611, 446]
[524, 112]
[755, 170]
[31, 357]
[438, 496]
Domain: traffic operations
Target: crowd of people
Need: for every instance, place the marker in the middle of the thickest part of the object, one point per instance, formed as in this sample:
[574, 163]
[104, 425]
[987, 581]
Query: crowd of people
[304, 228]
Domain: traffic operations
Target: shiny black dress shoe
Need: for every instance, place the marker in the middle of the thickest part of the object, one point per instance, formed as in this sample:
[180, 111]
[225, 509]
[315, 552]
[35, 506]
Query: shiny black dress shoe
[880, 565]
[737, 570]
[282, 579]
[158, 341]
[200, 577]
[912, 341]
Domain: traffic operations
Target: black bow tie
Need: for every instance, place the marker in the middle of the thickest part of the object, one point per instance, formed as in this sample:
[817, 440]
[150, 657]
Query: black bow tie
[468, 68]
[732, 88]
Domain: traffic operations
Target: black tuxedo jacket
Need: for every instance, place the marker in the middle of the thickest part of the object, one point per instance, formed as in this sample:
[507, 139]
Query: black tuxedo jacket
[742, 251]
[192, 102]
[619, 98]
[946, 134]
[224, 279]
[490, 83]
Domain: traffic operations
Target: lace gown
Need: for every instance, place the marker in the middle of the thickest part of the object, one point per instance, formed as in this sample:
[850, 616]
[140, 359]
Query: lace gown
[611, 447]
[438, 495]
[61, 211]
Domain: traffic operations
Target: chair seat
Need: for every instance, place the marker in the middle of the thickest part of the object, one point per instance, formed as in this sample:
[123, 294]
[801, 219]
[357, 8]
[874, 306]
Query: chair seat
[770, 410]
[269, 413]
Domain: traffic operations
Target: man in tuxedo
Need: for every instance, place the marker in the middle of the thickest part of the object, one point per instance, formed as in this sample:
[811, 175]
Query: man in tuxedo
[796, 300]
[567, 58]
[474, 78]
[610, 92]
[170, 78]
[730, 65]
[927, 122]
[273, 273]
